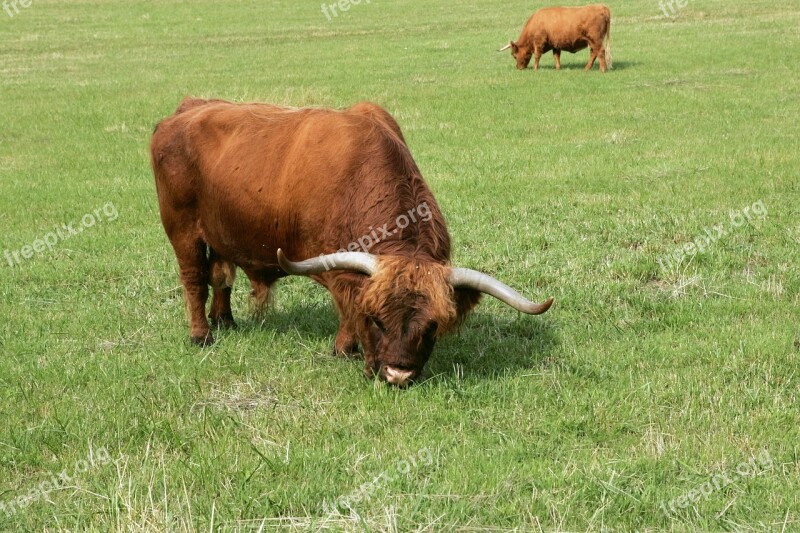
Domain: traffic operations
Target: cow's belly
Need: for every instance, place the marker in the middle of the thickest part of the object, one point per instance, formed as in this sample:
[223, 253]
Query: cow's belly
[573, 46]
[244, 241]
[248, 229]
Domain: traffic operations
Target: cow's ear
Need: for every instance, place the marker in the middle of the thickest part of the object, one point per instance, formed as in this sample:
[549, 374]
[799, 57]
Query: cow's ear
[514, 47]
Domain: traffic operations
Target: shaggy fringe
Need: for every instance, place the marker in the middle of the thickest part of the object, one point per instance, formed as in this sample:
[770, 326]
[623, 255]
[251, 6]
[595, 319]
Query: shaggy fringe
[425, 287]
[260, 299]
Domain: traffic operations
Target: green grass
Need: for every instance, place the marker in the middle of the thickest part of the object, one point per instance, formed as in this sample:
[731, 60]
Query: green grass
[640, 385]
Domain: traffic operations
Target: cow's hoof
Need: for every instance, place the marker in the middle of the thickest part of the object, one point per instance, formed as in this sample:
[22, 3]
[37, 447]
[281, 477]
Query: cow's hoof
[224, 322]
[202, 341]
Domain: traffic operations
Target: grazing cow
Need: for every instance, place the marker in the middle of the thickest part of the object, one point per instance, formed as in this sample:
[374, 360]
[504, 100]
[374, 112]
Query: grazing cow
[252, 185]
[570, 29]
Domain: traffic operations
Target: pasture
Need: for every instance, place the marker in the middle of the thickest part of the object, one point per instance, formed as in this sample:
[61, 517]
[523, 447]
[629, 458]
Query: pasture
[658, 204]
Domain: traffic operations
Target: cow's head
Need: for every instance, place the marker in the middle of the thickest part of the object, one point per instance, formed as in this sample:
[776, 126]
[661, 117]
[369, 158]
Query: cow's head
[522, 54]
[405, 305]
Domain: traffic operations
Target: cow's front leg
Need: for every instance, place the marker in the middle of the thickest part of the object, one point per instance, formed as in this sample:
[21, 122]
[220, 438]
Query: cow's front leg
[592, 57]
[346, 342]
[557, 57]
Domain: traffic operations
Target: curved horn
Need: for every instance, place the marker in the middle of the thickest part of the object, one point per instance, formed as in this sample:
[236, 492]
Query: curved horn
[506, 47]
[358, 261]
[472, 279]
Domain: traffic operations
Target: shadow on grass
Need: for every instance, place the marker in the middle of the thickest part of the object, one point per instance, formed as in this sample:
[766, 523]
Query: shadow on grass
[618, 65]
[487, 346]
[314, 322]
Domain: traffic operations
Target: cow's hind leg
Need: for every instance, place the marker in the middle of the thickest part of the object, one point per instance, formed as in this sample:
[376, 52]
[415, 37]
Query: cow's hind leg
[194, 270]
[601, 55]
[222, 275]
[557, 57]
[592, 57]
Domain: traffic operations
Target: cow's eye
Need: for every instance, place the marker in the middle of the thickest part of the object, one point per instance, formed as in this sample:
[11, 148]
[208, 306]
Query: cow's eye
[430, 331]
[378, 324]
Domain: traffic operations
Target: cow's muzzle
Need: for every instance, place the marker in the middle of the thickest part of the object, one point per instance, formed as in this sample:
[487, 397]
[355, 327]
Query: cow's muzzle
[394, 375]
[397, 376]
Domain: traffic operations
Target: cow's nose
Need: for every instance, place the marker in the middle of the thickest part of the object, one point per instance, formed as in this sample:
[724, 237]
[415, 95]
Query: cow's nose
[397, 376]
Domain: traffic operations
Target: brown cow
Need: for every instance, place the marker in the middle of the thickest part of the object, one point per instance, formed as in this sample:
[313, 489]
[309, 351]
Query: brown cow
[249, 185]
[570, 29]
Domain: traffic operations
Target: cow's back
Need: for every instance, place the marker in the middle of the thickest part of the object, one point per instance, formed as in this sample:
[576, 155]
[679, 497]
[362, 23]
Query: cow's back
[272, 146]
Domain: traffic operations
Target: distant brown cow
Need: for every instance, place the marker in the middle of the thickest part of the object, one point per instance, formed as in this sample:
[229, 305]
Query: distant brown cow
[570, 29]
[250, 185]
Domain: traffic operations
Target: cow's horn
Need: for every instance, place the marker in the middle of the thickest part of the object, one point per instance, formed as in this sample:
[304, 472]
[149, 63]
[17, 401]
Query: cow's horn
[358, 261]
[506, 47]
[472, 279]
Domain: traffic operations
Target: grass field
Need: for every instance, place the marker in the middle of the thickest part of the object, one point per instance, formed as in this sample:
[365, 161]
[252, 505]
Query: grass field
[659, 393]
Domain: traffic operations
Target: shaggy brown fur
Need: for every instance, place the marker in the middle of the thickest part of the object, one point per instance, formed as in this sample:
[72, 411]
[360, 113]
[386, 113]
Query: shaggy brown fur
[236, 182]
[570, 29]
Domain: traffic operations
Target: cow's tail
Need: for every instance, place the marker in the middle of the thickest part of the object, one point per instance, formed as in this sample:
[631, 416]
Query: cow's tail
[607, 47]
